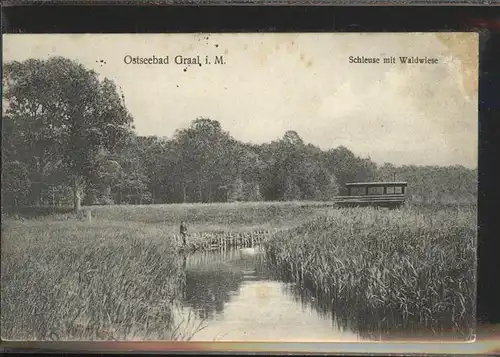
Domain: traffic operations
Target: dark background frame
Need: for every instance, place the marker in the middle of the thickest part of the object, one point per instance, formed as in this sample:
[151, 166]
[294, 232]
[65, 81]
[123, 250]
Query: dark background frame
[46, 18]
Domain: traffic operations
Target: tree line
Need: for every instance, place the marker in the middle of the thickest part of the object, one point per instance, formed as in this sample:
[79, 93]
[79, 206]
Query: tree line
[68, 139]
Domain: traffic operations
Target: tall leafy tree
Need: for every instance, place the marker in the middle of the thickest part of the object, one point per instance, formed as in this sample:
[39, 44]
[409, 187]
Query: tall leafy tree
[65, 116]
[347, 167]
[204, 154]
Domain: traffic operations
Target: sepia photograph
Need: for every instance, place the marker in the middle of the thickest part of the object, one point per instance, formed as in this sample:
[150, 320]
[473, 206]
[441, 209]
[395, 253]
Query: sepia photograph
[280, 187]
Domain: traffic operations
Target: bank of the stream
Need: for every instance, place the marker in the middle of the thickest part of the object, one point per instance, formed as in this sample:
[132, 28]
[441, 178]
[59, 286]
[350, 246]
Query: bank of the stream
[394, 271]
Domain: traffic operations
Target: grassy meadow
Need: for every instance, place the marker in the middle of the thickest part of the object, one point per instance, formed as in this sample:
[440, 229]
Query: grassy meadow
[120, 276]
[238, 216]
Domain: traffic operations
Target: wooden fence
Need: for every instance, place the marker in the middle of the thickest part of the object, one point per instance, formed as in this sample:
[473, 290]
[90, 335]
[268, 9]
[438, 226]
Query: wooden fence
[223, 240]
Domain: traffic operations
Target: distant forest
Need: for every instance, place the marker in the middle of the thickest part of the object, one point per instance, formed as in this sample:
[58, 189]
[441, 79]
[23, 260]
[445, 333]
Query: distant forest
[68, 139]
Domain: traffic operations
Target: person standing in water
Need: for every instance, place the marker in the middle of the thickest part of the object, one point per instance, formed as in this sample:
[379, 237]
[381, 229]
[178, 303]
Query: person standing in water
[183, 232]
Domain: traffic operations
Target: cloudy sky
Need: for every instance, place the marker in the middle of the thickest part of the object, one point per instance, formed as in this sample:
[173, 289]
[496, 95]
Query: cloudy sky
[270, 83]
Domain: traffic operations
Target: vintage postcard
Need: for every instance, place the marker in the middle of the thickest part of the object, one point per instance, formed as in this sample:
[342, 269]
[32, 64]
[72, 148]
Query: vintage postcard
[239, 187]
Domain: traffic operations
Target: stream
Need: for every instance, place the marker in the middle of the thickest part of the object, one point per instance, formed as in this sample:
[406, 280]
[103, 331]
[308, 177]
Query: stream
[238, 297]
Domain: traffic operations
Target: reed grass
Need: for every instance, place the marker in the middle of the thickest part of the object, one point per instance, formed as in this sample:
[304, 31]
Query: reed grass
[78, 281]
[417, 264]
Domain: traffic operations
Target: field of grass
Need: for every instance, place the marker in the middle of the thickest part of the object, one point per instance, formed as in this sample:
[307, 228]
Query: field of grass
[72, 280]
[237, 216]
[120, 275]
[388, 270]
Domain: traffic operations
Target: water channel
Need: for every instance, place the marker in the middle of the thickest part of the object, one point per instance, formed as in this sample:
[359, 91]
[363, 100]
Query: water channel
[240, 297]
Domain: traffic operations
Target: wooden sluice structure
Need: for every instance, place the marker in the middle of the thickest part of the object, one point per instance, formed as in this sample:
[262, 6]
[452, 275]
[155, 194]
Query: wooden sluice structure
[375, 194]
[220, 240]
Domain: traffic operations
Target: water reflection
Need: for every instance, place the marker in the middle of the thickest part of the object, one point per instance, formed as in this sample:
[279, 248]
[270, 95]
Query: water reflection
[207, 292]
[370, 324]
[241, 298]
[245, 298]
[212, 278]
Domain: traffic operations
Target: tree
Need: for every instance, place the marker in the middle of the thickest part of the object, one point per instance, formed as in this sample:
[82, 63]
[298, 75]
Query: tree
[291, 190]
[387, 172]
[157, 164]
[292, 139]
[347, 167]
[15, 184]
[65, 115]
[106, 175]
[251, 192]
[235, 191]
[206, 159]
[434, 183]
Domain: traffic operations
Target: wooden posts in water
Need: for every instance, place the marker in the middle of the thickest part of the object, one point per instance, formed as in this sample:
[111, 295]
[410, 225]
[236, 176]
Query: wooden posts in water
[224, 240]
